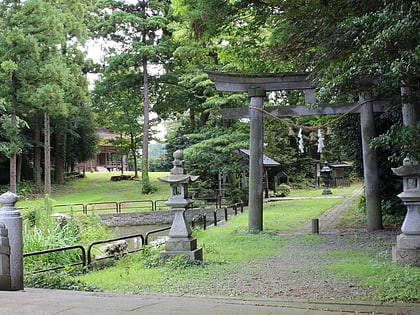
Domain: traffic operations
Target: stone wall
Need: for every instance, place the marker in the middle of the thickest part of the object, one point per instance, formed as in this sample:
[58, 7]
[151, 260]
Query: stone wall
[152, 217]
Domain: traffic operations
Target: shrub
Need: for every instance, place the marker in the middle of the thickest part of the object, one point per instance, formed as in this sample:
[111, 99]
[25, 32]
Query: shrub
[63, 280]
[284, 190]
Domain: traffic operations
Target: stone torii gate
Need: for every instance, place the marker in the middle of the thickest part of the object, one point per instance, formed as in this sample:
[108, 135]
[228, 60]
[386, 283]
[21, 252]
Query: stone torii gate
[256, 86]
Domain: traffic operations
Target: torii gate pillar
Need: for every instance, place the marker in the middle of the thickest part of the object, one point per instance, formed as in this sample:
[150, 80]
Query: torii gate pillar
[255, 218]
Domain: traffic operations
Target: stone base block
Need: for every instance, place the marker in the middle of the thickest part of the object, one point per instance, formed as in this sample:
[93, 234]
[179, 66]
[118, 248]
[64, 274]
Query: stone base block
[408, 242]
[196, 254]
[407, 251]
[176, 246]
[410, 257]
[181, 244]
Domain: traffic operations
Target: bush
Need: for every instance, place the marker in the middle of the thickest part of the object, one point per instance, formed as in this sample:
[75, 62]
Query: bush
[42, 231]
[62, 280]
[284, 190]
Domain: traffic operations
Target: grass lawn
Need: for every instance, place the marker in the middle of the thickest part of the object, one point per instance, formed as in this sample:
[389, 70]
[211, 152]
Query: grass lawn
[97, 187]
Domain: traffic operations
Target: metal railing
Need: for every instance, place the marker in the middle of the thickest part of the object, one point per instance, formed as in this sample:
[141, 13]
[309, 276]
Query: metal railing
[129, 205]
[160, 205]
[141, 205]
[61, 249]
[71, 208]
[146, 238]
[86, 255]
[110, 240]
[200, 218]
[94, 207]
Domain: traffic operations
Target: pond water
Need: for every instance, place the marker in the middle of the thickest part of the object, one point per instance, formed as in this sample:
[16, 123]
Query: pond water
[135, 243]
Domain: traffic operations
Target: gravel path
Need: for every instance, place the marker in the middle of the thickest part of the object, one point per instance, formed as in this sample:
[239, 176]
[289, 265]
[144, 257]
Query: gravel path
[299, 269]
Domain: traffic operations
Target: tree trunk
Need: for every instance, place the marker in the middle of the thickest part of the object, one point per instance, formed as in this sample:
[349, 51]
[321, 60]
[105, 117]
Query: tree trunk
[133, 152]
[47, 154]
[37, 152]
[60, 153]
[13, 158]
[145, 147]
[121, 154]
[410, 110]
[19, 169]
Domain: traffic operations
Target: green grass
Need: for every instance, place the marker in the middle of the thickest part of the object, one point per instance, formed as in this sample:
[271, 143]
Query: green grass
[390, 282]
[97, 187]
[293, 215]
[225, 249]
[312, 192]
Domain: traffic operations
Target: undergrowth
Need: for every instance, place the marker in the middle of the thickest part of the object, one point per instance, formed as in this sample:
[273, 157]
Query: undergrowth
[390, 282]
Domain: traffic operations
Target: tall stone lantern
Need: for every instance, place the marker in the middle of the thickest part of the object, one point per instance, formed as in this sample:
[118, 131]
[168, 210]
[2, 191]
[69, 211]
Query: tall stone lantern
[180, 241]
[407, 251]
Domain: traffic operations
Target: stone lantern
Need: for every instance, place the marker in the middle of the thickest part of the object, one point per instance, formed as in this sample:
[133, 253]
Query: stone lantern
[407, 251]
[326, 178]
[180, 241]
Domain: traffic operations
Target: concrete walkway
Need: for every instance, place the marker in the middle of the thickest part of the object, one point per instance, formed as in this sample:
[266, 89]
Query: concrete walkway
[51, 302]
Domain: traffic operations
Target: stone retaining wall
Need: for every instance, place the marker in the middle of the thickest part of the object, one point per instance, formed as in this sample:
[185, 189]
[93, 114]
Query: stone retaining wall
[151, 218]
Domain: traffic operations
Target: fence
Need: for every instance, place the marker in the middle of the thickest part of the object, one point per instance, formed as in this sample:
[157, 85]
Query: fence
[106, 207]
[129, 205]
[86, 257]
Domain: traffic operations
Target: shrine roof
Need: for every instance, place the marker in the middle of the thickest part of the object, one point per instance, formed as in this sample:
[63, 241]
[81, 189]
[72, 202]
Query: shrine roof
[267, 161]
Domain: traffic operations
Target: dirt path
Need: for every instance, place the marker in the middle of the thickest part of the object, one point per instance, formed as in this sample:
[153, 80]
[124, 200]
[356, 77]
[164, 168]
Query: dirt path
[301, 269]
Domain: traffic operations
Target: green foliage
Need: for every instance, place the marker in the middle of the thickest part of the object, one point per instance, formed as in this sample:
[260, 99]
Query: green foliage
[403, 140]
[25, 189]
[42, 231]
[151, 256]
[391, 282]
[61, 280]
[148, 188]
[284, 190]
[214, 151]
[181, 262]
[42, 70]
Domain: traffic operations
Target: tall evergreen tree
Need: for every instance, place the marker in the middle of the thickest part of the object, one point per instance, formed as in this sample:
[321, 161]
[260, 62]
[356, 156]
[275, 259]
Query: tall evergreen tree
[140, 29]
[44, 66]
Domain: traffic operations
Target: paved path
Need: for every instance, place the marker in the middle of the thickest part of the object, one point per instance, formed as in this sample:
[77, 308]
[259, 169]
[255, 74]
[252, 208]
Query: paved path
[59, 302]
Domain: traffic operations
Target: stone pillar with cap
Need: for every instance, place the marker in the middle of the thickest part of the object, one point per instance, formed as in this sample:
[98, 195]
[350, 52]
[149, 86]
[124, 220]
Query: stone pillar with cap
[407, 250]
[12, 220]
[180, 241]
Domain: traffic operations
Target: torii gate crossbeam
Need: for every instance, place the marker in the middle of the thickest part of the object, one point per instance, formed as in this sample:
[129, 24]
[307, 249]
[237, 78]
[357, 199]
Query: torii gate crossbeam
[256, 86]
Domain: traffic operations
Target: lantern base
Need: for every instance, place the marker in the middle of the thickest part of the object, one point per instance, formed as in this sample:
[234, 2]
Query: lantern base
[182, 246]
[407, 251]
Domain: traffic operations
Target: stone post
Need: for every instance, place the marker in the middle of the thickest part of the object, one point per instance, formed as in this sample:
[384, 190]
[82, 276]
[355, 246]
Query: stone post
[5, 284]
[407, 251]
[12, 220]
[256, 139]
[370, 165]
